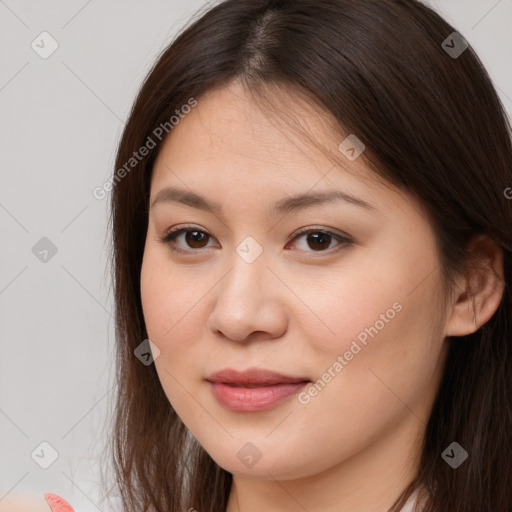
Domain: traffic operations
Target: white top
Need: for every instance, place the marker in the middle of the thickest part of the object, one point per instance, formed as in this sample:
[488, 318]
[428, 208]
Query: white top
[409, 504]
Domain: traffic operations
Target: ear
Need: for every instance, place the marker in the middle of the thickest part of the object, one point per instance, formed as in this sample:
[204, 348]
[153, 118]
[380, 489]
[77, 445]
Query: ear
[479, 290]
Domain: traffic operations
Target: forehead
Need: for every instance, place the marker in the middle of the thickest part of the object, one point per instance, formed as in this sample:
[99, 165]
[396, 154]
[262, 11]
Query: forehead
[229, 137]
[237, 153]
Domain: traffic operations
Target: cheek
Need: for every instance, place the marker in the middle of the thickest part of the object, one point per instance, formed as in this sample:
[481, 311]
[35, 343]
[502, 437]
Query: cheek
[172, 307]
[152, 292]
[168, 308]
[162, 304]
[161, 289]
[355, 306]
[389, 369]
[384, 334]
[391, 298]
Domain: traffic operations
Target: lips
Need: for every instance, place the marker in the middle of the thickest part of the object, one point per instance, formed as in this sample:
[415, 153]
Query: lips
[253, 390]
[253, 378]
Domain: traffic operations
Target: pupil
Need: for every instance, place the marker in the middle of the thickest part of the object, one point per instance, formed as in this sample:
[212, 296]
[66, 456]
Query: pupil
[323, 238]
[193, 237]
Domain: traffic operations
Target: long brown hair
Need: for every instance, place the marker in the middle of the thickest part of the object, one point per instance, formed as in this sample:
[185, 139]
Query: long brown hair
[432, 123]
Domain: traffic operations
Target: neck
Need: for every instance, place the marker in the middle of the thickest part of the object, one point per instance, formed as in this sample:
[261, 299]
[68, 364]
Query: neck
[370, 480]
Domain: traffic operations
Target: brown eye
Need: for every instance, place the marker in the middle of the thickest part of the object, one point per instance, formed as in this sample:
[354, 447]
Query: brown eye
[317, 240]
[320, 241]
[196, 239]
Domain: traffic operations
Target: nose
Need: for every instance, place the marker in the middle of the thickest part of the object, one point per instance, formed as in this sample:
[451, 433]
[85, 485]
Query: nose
[248, 300]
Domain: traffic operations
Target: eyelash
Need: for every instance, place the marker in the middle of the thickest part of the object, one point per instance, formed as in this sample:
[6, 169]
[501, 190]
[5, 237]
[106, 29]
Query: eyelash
[171, 235]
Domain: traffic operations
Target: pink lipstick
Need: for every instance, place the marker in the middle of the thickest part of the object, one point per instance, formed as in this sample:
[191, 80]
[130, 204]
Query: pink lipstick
[254, 389]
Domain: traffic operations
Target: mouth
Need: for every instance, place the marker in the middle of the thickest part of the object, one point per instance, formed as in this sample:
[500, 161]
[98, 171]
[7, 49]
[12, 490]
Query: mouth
[254, 389]
[251, 386]
[253, 378]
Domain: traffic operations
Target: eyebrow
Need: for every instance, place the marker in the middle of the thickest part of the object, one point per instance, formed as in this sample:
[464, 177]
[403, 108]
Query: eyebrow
[281, 207]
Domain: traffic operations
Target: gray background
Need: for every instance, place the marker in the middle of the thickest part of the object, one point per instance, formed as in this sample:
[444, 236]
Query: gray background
[61, 118]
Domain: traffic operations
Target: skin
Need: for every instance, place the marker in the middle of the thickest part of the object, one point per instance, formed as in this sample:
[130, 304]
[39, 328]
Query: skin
[355, 445]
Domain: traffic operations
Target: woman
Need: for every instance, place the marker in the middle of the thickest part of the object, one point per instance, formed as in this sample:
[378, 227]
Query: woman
[312, 258]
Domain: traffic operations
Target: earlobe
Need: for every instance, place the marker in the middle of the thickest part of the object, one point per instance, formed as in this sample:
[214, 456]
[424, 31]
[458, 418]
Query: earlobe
[481, 288]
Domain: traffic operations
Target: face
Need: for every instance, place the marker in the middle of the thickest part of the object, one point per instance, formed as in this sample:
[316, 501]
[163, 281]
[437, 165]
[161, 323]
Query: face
[342, 296]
